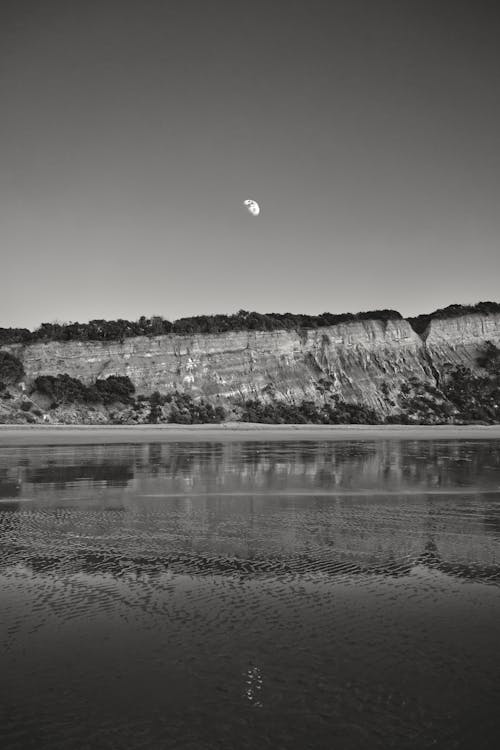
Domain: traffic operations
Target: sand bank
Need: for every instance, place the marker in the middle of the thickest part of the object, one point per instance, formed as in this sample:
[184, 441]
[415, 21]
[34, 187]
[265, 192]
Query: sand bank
[235, 431]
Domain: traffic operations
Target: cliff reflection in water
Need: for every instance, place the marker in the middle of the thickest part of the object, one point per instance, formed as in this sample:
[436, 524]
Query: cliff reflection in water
[255, 508]
[360, 465]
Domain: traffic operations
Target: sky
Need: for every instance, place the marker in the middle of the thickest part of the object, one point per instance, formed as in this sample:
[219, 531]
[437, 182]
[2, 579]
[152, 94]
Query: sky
[132, 131]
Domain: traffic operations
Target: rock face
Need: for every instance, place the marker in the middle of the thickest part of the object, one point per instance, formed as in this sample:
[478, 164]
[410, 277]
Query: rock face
[361, 361]
[459, 340]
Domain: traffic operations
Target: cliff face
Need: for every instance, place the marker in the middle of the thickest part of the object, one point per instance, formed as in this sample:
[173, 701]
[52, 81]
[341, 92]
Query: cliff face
[353, 359]
[357, 360]
[459, 340]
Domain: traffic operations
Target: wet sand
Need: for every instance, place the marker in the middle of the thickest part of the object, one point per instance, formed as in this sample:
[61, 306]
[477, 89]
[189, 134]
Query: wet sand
[235, 431]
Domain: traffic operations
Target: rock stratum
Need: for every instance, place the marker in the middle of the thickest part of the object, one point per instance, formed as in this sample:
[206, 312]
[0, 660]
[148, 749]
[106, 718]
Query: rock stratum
[361, 361]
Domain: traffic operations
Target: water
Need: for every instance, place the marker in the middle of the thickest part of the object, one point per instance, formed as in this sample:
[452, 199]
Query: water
[217, 596]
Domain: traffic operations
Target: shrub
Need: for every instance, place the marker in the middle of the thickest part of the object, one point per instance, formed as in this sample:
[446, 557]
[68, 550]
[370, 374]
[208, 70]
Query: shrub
[489, 358]
[185, 410]
[11, 368]
[307, 412]
[397, 419]
[114, 388]
[475, 397]
[63, 388]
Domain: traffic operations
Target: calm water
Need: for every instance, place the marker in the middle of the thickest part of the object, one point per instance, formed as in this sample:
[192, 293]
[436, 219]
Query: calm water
[250, 595]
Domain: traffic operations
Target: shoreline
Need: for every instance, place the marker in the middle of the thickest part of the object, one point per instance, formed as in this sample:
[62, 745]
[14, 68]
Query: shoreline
[12, 435]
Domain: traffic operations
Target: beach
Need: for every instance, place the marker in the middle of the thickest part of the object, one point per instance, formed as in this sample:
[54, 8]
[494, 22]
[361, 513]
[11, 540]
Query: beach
[235, 431]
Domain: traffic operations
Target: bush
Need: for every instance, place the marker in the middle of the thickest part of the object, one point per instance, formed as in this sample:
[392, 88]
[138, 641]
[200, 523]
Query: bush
[115, 388]
[64, 389]
[344, 413]
[475, 397]
[489, 358]
[307, 412]
[11, 368]
[181, 408]
[400, 418]
[184, 410]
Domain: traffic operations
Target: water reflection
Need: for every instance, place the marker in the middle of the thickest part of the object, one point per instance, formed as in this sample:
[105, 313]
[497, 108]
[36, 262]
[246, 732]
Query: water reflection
[259, 507]
[380, 466]
[297, 595]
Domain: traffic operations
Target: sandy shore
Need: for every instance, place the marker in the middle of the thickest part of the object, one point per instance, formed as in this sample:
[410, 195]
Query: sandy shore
[235, 431]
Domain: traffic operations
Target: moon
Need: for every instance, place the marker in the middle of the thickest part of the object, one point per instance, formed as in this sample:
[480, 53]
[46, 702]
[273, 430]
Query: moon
[252, 206]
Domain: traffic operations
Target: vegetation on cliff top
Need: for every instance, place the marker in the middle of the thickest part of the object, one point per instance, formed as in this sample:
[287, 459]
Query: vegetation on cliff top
[118, 330]
[243, 320]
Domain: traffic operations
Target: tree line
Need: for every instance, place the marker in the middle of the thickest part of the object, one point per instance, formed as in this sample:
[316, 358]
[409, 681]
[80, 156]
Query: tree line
[243, 320]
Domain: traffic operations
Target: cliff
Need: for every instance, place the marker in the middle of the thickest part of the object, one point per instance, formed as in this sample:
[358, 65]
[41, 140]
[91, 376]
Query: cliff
[353, 359]
[458, 340]
[361, 361]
